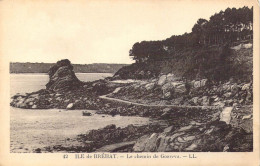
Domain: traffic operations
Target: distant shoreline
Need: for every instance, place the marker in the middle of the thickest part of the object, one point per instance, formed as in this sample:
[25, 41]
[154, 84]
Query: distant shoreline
[17, 67]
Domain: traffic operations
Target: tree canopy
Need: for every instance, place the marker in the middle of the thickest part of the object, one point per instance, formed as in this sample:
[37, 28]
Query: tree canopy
[224, 27]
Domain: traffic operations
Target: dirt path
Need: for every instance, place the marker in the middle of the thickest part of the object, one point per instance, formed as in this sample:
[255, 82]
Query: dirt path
[153, 105]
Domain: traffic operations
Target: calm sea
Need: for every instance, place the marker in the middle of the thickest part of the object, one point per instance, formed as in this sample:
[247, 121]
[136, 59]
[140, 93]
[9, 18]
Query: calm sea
[25, 83]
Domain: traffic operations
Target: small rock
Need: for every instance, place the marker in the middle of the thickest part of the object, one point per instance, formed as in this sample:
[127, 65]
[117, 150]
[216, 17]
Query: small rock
[58, 99]
[196, 84]
[149, 86]
[66, 101]
[180, 89]
[170, 77]
[194, 100]
[34, 106]
[189, 138]
[38, 150]
[249, 45]
[167, 95]
[225, 149]
[191, 147]
[241, 101]
[216, 99]
[228, 94]
[205, 101]
[112, 126]
[166, 112]
[85, 113]
[70, 106]
[58, 94]
[29, 100]
[168, 129]
[185, 128]
[35, 96]
[246, 86]
[247, 117]
[234, 88]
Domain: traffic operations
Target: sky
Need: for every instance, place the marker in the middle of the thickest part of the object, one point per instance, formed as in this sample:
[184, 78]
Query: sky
[95, 31]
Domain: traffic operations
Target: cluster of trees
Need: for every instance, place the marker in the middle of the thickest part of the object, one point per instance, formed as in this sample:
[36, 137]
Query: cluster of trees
[226, 26]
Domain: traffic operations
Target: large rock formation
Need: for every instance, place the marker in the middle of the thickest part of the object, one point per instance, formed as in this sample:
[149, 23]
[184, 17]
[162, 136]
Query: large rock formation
[62, 77]
[63, 90]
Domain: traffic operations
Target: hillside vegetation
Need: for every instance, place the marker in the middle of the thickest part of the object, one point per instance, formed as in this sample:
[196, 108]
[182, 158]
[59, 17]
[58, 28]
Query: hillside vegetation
[217, 49]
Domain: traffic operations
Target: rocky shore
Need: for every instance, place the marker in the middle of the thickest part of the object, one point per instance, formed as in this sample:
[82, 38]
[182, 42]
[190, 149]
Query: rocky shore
[197, 115]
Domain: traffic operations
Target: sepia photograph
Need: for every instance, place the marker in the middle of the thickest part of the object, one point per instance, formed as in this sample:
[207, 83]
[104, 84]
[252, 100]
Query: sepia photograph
[130, 77]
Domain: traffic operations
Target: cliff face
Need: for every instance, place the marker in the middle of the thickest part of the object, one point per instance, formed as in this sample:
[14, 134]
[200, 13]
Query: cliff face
[62, 77]
[216, 63]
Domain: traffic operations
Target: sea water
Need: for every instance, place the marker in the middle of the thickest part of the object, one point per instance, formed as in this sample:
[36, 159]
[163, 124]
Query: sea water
[31, 129]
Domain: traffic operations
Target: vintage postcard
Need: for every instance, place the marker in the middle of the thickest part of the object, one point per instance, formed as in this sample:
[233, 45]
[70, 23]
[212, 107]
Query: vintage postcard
[148, 82]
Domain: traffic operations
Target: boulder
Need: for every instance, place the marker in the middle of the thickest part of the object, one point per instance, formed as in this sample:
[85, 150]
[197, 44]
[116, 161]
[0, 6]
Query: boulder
[167, 95]
[225, 115]
[180, 89]
[249, 45]
[196, 84]
[234, 88]
[201, 83]
[62, 77]
[227, 95]
[170, 77]
[175, 84]
[205, 101]
[242, 118]
[238, 47]
[29, 100]
[167, 87]
[168, 129]
[149, 86]
[147, 143]
[194, 100]
[162, 80]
